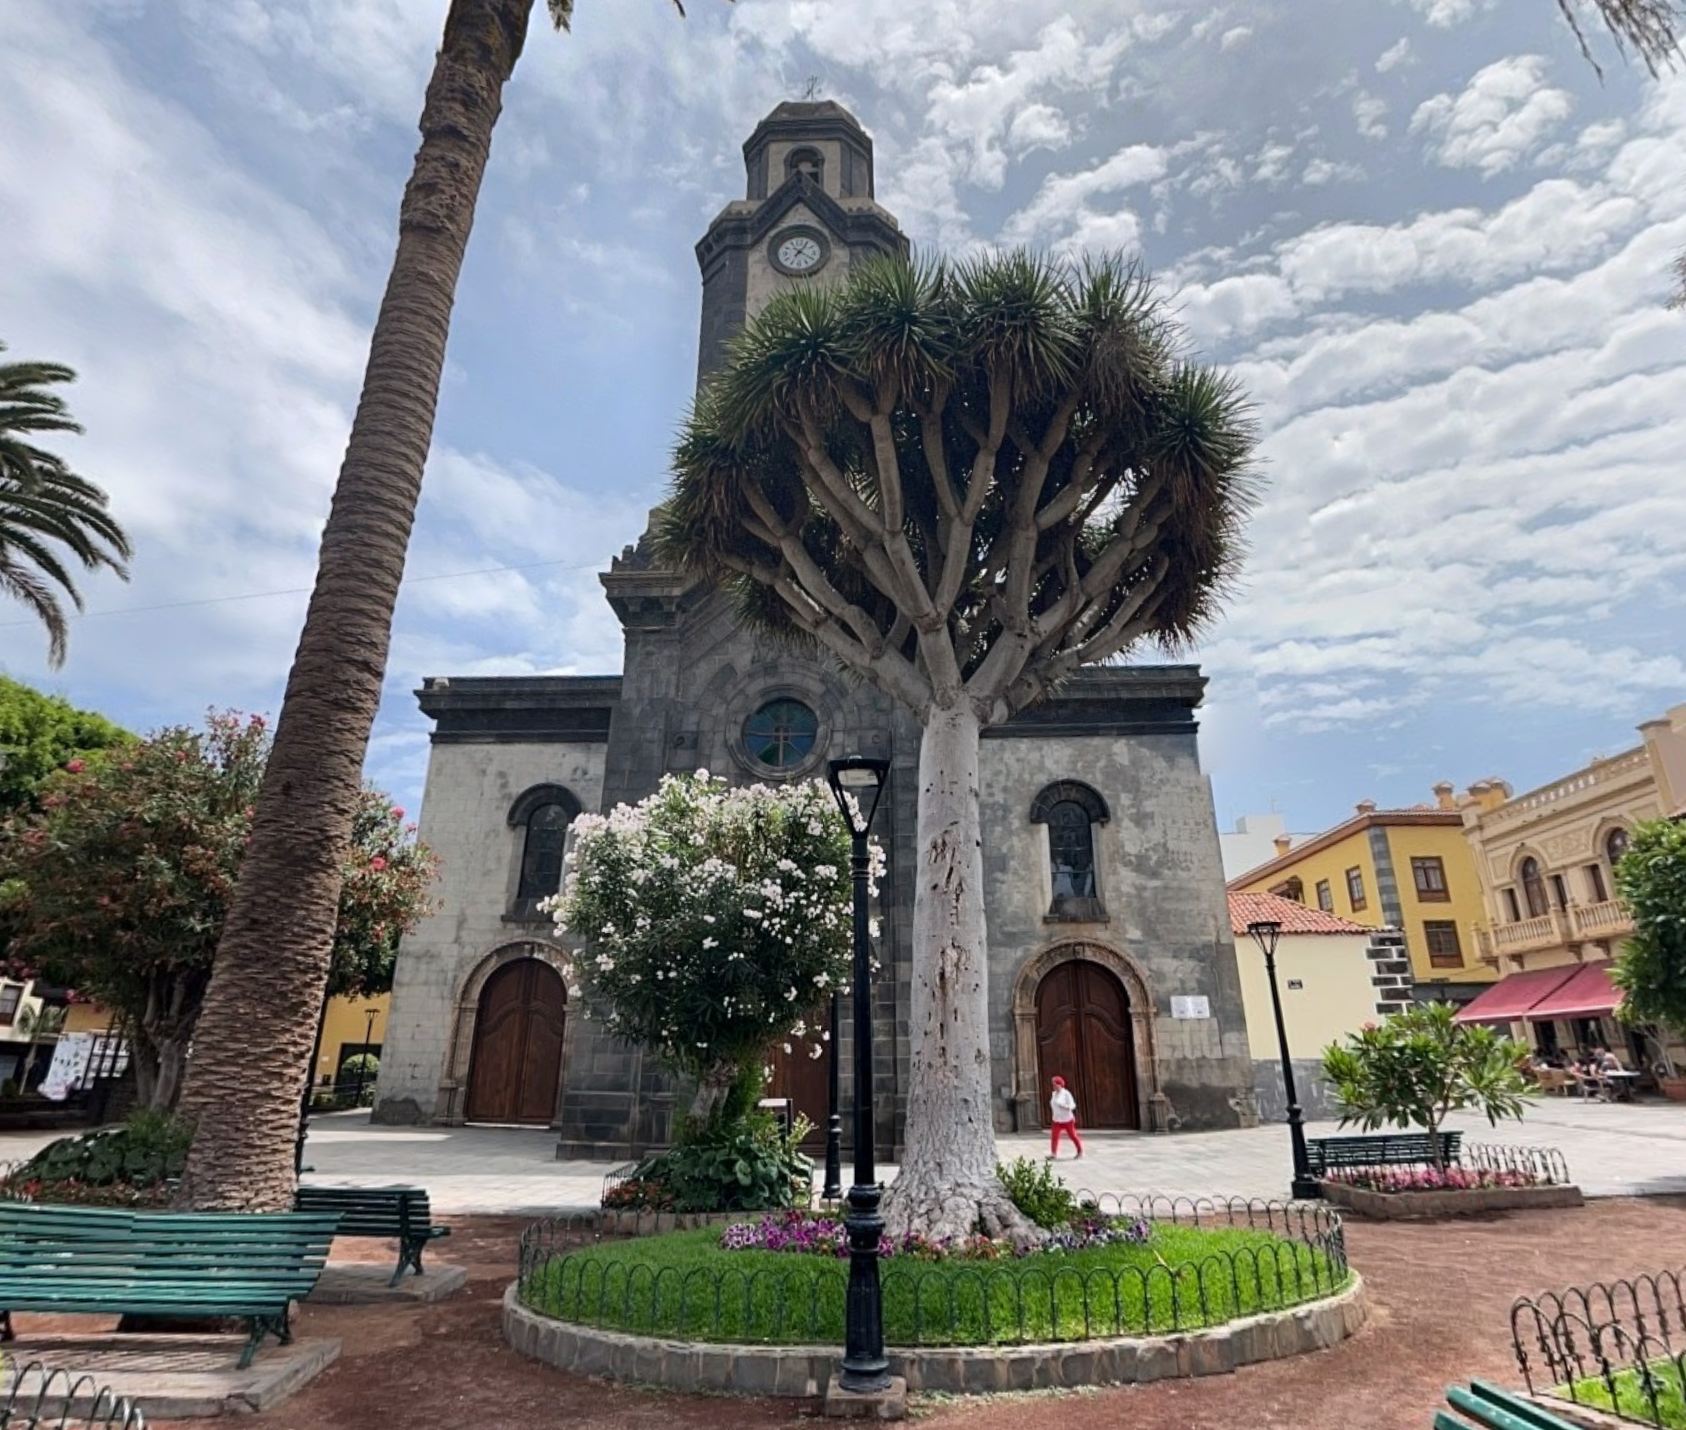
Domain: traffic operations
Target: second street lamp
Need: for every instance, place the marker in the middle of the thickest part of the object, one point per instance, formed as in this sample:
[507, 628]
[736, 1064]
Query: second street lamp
[856, 783]
[1265, 933]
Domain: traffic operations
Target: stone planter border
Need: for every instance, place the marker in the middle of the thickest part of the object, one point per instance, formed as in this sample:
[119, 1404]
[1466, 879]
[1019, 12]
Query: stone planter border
[1417, 1206]
[804, 1371]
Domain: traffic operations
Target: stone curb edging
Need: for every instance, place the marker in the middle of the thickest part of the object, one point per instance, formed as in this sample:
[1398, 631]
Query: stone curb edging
[1410, 1206]
[805, 1371]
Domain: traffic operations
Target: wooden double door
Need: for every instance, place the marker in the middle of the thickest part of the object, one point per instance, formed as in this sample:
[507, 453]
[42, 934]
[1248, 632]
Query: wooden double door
[515, 1070]
[1085, 1035]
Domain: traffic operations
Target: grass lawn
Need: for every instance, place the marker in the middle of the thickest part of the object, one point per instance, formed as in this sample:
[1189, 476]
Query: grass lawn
[684, 1284]
[1631, 1398]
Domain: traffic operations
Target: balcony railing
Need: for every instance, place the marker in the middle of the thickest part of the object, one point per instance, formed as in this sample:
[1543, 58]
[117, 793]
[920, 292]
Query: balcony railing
[1546, 931]
[1609, 919]
[1558, 928]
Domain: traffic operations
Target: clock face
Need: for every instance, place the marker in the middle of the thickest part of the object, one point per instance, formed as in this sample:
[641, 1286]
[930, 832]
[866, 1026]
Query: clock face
[799, 253]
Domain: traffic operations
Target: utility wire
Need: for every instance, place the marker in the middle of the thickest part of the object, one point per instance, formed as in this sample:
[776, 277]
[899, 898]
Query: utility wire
[306, 590]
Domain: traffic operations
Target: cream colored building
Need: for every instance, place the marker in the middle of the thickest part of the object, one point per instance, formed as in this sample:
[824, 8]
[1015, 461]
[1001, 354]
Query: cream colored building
[1334, 976]
[1545, 860]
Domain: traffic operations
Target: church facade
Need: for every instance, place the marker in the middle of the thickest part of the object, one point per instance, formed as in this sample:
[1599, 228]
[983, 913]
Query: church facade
[1111, 957]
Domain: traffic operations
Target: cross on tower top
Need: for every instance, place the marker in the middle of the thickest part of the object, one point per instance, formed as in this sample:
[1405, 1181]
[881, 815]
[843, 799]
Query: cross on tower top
[811, 93]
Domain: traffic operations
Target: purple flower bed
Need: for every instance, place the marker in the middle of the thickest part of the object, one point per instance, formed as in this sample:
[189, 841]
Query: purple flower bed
[805, 1235]
[1427, 1179]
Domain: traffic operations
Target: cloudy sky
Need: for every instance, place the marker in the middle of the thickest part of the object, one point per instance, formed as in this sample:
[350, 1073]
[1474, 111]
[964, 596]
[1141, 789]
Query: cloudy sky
[1431, 243]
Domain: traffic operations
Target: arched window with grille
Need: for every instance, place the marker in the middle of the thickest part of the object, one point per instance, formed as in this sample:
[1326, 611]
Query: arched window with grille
[1071, 811]
[1533, 887]
[541, 817]
[1615, 845]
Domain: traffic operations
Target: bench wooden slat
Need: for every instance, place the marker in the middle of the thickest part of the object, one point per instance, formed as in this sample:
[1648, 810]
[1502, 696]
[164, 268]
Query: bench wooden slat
[391, 1213]
[92, 1260]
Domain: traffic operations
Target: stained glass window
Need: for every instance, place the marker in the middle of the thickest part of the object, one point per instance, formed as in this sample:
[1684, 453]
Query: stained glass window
[781, 733]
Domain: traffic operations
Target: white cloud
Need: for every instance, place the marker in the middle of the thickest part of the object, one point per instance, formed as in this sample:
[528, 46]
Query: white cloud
[1062, 207]
[1503, 114]
[1444, 14]
[1368, 110]
[1394, 55]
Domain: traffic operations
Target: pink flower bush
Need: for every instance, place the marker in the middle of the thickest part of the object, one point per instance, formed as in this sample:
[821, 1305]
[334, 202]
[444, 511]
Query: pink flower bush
[1427, 1179]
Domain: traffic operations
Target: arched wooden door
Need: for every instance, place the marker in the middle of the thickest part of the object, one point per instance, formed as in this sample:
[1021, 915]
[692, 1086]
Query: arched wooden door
[1083, 1034]
[516, 1066]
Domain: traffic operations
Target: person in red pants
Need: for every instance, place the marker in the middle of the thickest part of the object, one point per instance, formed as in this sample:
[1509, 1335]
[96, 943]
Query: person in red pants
[1062, 1119]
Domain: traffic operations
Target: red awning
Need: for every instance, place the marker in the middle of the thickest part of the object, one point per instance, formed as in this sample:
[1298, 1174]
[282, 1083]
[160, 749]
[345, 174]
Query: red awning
[1514, 998]
[1588, 994]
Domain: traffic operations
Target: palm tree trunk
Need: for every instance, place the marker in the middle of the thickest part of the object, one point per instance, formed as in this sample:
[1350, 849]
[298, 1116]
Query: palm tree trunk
[252, 1043]
[947, 1184]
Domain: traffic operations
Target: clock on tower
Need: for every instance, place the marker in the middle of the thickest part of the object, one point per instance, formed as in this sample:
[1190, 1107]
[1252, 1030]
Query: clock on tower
[808, 213]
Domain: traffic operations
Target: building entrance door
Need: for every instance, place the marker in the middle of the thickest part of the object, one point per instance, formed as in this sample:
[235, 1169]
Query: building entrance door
[516, 1066]
[805, 1081]
[1084, 1034]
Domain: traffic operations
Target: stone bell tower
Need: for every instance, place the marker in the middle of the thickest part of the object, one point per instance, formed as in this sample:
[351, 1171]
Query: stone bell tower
[808, 214]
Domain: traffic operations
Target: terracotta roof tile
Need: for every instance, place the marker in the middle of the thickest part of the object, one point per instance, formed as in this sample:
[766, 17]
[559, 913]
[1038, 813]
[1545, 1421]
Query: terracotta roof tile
[1294, 918]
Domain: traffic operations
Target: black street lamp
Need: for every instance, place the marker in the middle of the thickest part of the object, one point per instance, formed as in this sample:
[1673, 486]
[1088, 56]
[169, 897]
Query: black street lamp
[363, 1066]
[857, 782]
[1265, 932]
[833, 1188]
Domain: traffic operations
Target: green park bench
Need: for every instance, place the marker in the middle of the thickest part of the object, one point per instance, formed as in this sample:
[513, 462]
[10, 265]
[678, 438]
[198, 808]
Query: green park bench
[398, 1214]
[1389, 1149]
[1485, 1407]
[78, 1261]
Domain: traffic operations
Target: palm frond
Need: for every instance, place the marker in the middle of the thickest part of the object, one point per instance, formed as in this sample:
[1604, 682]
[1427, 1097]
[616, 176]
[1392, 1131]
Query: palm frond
[1648, 27]
[47, 511]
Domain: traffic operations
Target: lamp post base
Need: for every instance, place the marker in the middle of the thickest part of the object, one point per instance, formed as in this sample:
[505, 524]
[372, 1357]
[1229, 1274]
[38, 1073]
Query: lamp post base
[890, 1403]
[1306, 1189]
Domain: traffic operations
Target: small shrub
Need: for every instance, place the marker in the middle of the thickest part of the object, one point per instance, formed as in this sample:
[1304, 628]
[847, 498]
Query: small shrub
[747, 1165]
[9, 1088]
[1036, 1190]
[149, 1151]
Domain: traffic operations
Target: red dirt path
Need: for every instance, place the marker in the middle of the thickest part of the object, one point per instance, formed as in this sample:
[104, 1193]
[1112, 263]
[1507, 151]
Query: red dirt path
[1440, 1298]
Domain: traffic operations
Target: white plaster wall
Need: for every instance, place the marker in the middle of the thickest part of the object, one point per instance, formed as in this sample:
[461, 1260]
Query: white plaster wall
[465, 821]
[1335, 996]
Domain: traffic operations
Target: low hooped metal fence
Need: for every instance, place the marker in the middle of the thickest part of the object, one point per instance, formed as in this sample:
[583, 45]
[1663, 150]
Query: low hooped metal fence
[1543, 1166]
[1615, 1346]
[1038, 1297]
[43, 1398]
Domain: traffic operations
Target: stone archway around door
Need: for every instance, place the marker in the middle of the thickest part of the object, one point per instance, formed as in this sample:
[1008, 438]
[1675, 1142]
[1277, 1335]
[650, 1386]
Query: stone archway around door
[1093, 995]
[533, 1050]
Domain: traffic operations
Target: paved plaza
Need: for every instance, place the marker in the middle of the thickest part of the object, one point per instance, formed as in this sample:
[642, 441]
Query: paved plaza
[1612, 1150]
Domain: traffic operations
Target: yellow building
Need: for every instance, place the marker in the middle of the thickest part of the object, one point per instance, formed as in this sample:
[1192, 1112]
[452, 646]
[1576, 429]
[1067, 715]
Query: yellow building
[1546, 861]
[353, 1025]
[1406, 869]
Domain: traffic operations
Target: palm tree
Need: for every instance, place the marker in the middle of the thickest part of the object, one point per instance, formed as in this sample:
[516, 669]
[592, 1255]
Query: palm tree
[252, 1046]
[964, 484]
[44, 506]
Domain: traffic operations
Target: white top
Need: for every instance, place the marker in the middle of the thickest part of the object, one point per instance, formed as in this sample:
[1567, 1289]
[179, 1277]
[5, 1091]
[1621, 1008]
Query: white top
[1063, 1105]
